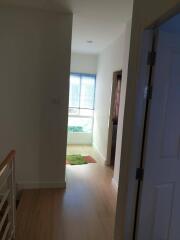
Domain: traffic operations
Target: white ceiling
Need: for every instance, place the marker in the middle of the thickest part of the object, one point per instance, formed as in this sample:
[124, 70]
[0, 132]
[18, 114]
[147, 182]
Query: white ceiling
[98, 20]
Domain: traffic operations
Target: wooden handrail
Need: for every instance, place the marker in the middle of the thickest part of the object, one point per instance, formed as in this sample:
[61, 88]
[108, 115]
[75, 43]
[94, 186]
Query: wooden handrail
[10, 157]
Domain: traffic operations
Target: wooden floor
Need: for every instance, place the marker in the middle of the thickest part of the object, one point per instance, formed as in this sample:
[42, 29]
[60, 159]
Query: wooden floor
[84, 211]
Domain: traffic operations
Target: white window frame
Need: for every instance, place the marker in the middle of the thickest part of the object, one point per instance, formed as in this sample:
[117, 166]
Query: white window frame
[79, 108]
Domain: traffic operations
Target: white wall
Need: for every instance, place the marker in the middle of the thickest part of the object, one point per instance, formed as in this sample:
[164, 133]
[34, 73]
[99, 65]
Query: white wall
[84, 63]
[34, 81]
[109, 60]
[146, 13]
[81, 138]
[127, 37]
[112, 59]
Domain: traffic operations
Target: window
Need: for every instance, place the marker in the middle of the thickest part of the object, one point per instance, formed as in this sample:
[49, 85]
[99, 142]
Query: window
[81, 103]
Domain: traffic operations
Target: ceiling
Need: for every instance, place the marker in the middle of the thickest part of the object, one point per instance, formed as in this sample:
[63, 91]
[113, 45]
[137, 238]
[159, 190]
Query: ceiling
[100, 21]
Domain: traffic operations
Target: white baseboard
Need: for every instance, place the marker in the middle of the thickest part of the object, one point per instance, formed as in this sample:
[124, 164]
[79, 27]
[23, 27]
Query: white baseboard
[107, 163]
[114, 184]
[40, 185]
[103, 160]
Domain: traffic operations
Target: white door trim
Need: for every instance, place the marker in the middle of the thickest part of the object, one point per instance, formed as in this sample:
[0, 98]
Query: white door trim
[109, 145]
[128, 193]
[131, 142]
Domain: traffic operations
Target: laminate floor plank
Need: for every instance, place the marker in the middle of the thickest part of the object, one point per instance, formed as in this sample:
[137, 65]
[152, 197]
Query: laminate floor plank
[85, 210]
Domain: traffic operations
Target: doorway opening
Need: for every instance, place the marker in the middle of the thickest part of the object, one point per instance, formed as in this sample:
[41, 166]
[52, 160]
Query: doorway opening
[159, 181]
[92, 141]
[113, 119]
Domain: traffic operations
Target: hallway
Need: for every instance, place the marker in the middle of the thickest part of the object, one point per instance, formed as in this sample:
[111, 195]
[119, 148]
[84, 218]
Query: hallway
[85, 210]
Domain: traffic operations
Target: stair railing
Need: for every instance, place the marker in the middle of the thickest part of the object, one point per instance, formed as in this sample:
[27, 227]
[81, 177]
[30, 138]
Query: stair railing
[7, 197]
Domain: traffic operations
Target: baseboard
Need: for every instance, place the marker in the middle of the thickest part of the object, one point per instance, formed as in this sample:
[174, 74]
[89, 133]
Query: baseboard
[102, 158]
[40, 185]
[107, 163]
[114, 184]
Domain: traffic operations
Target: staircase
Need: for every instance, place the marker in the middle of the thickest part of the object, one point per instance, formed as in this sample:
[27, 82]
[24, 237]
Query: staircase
[7, 197]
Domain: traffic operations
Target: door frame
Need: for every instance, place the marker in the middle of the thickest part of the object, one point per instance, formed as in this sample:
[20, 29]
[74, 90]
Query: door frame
[147, 110]
[109, 145]
[149, 81]
[128, 206]
[151, 49]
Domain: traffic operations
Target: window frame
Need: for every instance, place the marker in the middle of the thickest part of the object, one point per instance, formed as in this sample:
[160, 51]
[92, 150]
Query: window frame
[80, 75]
[84, 75]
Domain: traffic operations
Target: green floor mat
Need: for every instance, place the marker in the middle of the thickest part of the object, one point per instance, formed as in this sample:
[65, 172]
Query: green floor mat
[76, 159]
